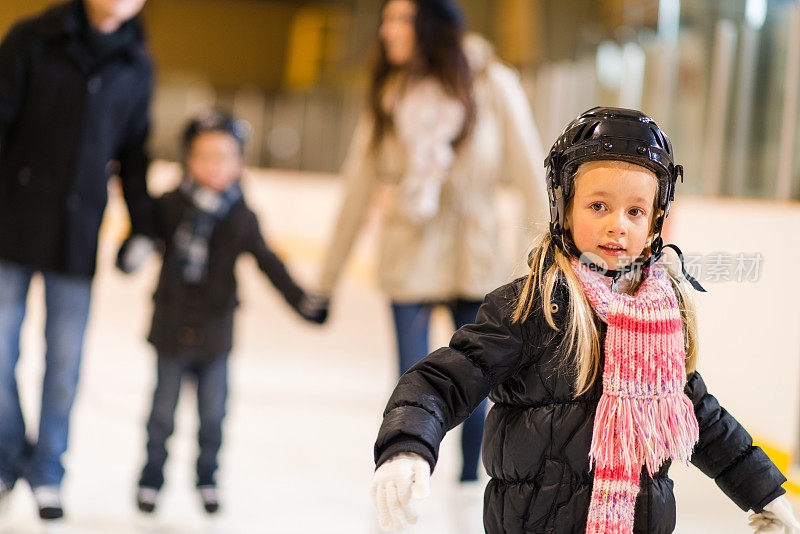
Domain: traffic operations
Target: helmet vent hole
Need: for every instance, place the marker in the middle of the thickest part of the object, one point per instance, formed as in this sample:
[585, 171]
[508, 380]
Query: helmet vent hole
[590, 130]
[666, 143]
[657, 137]
[578, 134]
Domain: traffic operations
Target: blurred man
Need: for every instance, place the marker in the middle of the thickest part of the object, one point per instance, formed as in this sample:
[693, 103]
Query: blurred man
[75, 85]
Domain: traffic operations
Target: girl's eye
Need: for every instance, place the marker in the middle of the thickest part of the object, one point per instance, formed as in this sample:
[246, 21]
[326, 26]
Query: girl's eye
[597, 206]
[636, 212]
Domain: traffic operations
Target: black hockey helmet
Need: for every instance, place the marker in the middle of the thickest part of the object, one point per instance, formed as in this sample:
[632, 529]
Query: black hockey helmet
[216, 121]
[604, 133]
[615, 134]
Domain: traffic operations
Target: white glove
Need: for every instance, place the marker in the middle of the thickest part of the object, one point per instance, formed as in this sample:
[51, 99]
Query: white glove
[404, 477]
[776, 517]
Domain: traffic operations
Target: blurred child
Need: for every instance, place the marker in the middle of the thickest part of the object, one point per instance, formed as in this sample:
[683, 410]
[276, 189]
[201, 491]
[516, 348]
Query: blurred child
[590, 361]
[204, 225]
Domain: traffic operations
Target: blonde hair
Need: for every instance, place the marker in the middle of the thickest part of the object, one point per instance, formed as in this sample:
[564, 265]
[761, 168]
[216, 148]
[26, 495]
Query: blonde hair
[582, 337]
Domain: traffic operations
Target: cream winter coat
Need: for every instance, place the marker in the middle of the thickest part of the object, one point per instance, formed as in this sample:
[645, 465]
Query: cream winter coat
[440, 235]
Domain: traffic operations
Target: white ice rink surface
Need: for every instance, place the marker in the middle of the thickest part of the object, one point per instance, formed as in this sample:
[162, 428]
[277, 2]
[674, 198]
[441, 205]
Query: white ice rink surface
[304, 410]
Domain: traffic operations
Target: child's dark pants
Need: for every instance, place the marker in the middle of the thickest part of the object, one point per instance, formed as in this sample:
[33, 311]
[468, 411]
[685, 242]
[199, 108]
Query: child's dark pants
[212, 392]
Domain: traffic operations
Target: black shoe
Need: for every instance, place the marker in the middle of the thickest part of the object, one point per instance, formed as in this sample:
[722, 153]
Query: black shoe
[210, 498]
[49, 513]
[48, 499]
[146, 499]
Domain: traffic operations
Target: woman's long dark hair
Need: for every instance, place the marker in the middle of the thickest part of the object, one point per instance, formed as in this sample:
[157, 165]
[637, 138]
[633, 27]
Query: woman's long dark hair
[439, 30]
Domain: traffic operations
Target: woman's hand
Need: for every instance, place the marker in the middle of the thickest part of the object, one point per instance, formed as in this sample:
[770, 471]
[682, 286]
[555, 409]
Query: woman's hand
[406, 476]
[777, 517]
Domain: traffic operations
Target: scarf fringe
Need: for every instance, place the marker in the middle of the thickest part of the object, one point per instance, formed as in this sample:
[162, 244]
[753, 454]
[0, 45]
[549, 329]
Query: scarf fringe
[643, 431]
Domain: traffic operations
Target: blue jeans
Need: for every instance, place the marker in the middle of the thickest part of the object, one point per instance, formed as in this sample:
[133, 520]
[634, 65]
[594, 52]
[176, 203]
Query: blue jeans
[411, 323]
[67, 302]
[212, 394]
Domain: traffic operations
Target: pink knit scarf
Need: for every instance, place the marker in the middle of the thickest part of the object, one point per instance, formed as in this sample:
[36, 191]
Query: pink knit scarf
[643, 417]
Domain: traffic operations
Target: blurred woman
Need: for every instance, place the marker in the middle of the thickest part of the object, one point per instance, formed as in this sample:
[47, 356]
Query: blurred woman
[444, 119]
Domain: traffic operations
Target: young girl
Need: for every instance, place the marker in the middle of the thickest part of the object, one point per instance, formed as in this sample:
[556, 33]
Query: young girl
[590, 362]
[204, 226]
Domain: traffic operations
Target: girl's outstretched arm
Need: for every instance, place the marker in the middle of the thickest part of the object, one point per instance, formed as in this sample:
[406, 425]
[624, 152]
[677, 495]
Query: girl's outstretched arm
[443, 389]
[726, 453]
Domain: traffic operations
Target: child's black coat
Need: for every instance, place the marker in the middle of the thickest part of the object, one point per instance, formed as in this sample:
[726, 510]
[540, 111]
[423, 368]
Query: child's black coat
[537, 436]
[197, 319]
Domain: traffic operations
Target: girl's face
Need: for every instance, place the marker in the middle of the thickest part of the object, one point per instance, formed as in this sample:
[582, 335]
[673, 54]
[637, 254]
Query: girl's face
[397, 31]
[214, 160]
[611, 212]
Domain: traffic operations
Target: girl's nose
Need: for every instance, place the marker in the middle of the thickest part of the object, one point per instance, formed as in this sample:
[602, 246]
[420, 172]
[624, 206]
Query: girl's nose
[616, 224]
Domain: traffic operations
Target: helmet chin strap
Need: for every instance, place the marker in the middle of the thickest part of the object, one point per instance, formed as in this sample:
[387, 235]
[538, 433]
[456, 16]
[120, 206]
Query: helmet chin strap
[657, 248]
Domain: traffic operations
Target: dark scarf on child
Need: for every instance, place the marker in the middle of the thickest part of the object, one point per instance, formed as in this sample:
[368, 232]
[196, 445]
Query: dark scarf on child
[193, 234]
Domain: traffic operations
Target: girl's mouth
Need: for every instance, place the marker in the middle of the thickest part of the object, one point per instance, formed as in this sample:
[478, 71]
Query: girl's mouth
[612, 250]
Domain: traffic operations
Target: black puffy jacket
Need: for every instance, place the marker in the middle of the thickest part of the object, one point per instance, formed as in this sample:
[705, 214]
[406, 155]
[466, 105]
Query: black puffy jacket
[537, 436]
